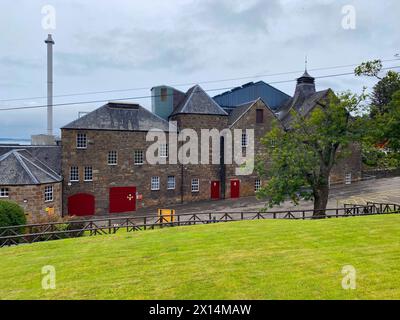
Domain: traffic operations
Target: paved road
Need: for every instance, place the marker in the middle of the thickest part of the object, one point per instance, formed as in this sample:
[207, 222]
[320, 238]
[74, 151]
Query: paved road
[380, 190]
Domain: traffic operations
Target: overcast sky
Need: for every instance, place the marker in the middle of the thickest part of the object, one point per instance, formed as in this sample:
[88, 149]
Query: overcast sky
[121, 44]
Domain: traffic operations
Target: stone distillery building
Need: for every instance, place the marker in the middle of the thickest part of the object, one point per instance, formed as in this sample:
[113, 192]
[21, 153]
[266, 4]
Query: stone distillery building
[31, 177]
[104, 164]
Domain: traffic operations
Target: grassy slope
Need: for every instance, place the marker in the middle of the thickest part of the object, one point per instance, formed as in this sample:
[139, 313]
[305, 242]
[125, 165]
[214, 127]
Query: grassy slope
[245, 260]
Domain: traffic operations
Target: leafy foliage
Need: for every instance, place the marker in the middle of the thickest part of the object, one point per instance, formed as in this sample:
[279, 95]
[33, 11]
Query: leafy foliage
[369, 68]
[383, 93]
[298, 161]
[388, 124]
[11, 214]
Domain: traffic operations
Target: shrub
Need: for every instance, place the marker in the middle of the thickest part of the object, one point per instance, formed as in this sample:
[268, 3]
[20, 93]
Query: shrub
[11, 214]
[65, 224]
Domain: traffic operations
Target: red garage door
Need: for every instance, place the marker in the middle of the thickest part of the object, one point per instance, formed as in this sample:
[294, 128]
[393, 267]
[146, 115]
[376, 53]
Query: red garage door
[122, 199]
[235, 189]
[81, 204]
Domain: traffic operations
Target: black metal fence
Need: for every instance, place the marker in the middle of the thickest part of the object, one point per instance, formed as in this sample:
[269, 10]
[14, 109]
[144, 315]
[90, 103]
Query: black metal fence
[61, 230]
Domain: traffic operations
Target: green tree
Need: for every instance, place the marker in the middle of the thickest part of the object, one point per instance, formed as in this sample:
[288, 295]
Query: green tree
[11, 214]
[383, 91]
[387, 125]
[298, 161]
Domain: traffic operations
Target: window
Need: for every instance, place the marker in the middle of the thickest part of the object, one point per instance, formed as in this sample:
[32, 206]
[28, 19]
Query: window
[195, 185]
[244, 140]
[138, 157]
[260, 116]
[171, 183]
[257, 185]
[155, 183]
[48, 193]
[164, 151]
[74, 174]
[4, 192]
[348, 178]
[112, 158]
[81, 141]
[164, 94]
[88, 174]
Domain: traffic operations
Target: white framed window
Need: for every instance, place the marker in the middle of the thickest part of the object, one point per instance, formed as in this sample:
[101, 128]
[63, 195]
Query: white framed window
[155, 183]
[138, 157]
[164, 150]
[74, 174]
[4, 192]
[171, 183]
[81, 141]
[195, 185]
[48, 193]
[348, 178]
[112, 158]
[244, 140]
[88, 176]
[257, 185]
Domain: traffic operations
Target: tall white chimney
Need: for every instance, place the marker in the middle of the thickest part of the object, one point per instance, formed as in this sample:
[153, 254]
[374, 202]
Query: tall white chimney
[50, 42]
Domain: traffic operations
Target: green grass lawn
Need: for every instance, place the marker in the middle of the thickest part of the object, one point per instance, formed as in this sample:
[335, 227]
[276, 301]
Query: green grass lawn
[270, 259]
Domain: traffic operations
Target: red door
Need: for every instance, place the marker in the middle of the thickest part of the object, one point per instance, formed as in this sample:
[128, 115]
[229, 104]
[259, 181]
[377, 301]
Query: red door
[122, 199]
[235, 189]
[81, 204]
[215, 190]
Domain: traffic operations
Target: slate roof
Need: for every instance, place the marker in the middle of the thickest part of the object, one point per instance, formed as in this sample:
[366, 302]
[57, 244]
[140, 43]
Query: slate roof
[300, 104]
[119, 116]
[239, 111]
[20, 167]
[50, 155]
[197, 101]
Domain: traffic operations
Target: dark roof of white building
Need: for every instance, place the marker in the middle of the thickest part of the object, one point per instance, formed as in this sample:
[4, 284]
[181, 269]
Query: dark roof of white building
[119, 116]
[20, 167]
[197, 101]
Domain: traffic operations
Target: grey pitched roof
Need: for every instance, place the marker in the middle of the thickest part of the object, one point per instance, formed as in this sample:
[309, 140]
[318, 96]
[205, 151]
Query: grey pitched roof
[50, 155]
[300, 104]
[239, 111]
[19, 167]
[197, 101]
[119, 116]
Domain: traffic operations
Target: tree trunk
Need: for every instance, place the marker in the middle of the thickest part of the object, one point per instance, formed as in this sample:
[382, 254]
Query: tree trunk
[321, 195]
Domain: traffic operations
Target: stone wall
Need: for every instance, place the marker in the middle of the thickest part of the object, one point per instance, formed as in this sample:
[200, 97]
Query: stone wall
[350, 162]
[382, 173]
[124, 174]
[127, 174]
[206, 173]
[31, 198]
[248, 121]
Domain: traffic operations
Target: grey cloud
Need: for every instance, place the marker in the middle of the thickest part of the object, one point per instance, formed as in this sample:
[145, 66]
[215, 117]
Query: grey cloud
[251, 16]
[137, 49]
[22, 62]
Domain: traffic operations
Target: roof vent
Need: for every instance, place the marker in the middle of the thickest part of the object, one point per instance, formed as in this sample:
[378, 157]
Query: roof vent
[121, 105]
